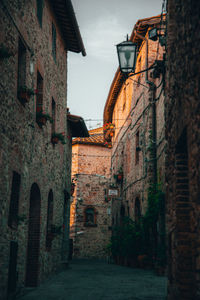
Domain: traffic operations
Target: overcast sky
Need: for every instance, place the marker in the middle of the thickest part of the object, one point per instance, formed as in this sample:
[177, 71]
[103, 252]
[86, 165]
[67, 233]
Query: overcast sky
[103, 24]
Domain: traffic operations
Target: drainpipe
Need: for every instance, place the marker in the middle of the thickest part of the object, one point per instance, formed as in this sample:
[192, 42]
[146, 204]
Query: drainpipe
[152, 89]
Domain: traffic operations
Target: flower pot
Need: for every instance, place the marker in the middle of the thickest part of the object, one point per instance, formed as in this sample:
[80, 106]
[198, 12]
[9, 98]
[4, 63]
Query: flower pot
[119, 177]
[23, 96]
[54, 140]
[41, 121]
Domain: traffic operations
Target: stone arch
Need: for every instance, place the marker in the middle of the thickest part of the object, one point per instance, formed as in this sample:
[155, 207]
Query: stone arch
[33, 247]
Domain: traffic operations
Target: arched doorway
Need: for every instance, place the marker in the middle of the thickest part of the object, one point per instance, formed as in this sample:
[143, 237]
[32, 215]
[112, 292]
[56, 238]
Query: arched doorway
[49, 221]
[33, 248]
[137, 209]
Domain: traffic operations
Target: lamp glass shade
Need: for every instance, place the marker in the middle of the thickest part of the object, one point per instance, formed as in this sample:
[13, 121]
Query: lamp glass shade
[127, 56]
[153, 34]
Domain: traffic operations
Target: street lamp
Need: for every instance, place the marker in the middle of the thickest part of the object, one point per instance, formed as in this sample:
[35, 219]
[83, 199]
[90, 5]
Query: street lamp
[127, 56]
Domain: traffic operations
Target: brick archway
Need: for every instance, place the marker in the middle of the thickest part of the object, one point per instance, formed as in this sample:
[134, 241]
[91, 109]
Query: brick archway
[32, 266]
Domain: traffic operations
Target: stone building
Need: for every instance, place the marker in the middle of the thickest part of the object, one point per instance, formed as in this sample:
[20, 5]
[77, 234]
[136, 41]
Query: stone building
[35, 143]
[90, 211]
[135, 110]
[183, 148]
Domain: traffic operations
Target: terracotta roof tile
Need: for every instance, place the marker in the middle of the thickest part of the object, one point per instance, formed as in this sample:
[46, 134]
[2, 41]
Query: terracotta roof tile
[96, 138]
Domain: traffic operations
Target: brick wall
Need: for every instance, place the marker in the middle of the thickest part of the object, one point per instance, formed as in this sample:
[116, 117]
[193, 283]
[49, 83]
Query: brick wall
[183, 140]
[26, 147]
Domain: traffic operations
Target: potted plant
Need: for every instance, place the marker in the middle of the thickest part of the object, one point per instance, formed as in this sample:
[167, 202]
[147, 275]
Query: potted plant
[119, 175]
[25, 93]
[42, 117]
[108, 144]
[108, 126]
[56, 137]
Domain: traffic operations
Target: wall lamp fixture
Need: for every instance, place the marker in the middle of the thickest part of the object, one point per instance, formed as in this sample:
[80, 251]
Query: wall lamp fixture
[127, 56]
[154, 35]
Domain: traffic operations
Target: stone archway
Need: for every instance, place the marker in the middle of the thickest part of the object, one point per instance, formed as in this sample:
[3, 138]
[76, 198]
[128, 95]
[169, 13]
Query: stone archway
[33, 247]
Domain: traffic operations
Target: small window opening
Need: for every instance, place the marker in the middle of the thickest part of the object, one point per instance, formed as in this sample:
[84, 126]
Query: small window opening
[54, 42]
[39, 94]
[40, 5]
[14, 201]
[21, 76]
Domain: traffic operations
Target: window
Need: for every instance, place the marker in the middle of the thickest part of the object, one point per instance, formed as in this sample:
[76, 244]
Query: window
[14, 201]
[137, 148]
[90, 216]
[49, 234]
[40, 5]
[39, 94]
[54, 42]
[21, 74]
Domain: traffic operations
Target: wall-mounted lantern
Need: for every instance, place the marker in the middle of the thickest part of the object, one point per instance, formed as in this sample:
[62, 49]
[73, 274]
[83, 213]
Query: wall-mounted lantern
[127, 56]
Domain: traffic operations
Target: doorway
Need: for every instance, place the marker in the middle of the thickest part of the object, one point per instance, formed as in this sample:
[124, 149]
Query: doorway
[33, 248]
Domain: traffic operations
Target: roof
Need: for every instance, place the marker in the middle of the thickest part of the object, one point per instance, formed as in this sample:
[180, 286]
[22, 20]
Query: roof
[67, 22]
[96, 138]
[141, 28]
[77, 126]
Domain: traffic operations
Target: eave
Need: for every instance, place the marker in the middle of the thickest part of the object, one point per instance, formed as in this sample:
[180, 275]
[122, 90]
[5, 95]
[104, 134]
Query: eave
[68, 25]
[141, 28]
[77, 126]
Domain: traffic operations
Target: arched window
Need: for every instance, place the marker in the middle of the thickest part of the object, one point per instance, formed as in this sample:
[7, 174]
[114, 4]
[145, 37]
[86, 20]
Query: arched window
[49, 234]
[33, 251]
[137, 209]
[90, 216]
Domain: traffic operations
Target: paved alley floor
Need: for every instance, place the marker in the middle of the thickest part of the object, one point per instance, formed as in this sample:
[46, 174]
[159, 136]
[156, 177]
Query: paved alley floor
[94, 280]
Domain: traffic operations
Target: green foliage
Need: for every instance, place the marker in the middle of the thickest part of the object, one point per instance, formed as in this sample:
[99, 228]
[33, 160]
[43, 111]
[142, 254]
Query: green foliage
[60, 136]
[29, 91]
[131, 239]
[42, 114]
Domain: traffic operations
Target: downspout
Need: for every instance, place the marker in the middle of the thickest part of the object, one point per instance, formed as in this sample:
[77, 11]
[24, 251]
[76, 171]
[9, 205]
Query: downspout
[152, 89]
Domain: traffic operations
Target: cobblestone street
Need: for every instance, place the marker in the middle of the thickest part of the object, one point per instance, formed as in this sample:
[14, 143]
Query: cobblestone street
[94, 280]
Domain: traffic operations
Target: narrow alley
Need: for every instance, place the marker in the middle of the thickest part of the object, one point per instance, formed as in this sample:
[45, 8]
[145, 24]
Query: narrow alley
[97, 280]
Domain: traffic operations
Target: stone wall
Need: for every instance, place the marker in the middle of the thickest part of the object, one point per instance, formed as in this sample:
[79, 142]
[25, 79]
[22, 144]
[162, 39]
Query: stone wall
[90, 240]
[133, 139]
[26, 147]
[183, 138]
[91, 174]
